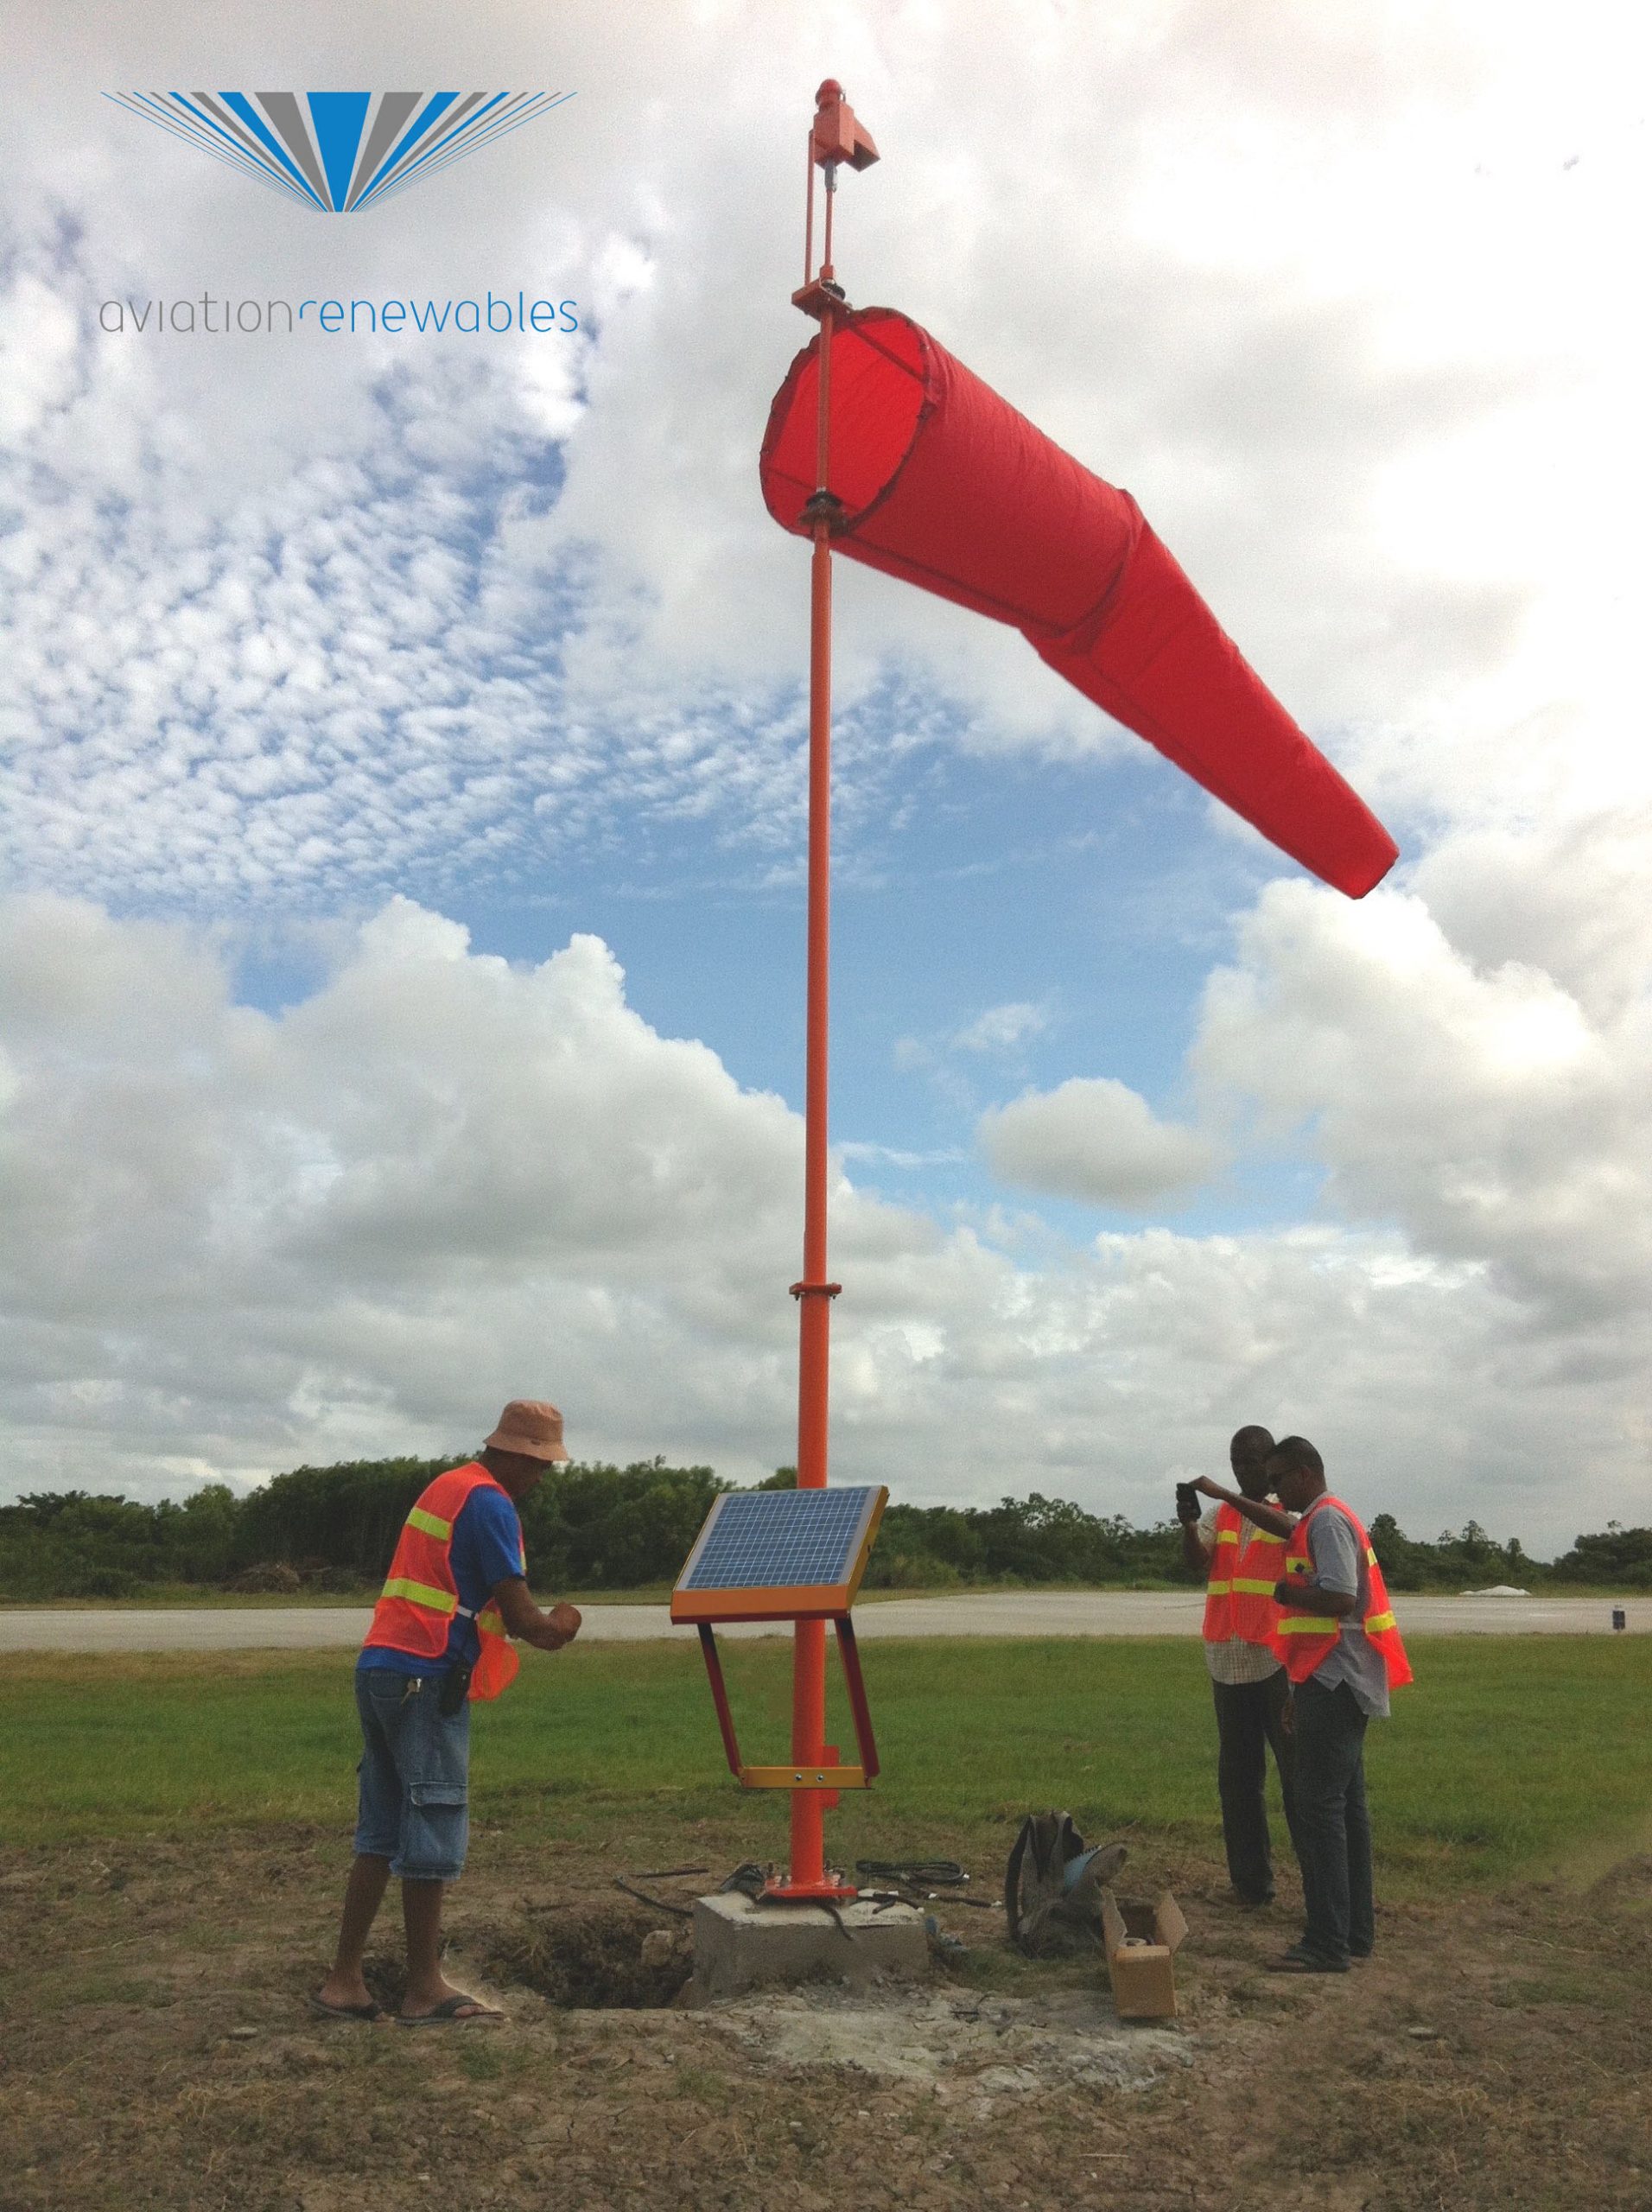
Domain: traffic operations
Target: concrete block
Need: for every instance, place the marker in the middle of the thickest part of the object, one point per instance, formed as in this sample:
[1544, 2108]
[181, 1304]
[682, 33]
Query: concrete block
[738, 1945]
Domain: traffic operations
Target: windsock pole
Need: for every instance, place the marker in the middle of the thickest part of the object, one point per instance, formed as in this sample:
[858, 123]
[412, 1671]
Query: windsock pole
[835, 137]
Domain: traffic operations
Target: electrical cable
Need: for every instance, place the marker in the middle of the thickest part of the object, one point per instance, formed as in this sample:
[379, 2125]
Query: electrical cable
[923, 1880]
[658, 1904]
[916, 1874]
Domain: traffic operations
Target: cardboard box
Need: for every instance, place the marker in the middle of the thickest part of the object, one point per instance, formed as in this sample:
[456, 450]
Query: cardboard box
[1141, 1941]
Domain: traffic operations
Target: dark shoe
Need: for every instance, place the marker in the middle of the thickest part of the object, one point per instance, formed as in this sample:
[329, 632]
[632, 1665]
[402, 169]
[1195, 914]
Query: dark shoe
[1254, 1905]
[454, 2012]
[319, 2004]
[1298, 1961]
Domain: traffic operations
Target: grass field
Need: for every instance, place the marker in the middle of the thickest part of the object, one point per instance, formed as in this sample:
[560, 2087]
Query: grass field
[1508, 1754]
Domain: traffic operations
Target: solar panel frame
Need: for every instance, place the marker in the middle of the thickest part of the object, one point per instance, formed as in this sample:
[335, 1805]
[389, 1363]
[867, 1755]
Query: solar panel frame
[779, 1554]
[758, 1538]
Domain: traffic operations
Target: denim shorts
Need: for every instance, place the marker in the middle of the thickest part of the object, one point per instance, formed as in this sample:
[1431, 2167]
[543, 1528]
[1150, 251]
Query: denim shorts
[415, 1776]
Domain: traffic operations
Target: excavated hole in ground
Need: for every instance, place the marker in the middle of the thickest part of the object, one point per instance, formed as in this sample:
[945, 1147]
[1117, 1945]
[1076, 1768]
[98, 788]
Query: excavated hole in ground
[591, 1958]
[604, 1957]
[598, 1956]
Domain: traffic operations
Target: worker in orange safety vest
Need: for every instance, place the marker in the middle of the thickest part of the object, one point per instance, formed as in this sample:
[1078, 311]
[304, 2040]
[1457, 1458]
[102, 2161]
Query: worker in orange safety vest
[457, 1589]
[1337, 1637]
[1240, 1548]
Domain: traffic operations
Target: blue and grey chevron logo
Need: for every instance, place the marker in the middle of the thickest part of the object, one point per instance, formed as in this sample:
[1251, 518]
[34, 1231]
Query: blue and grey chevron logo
[340, 152]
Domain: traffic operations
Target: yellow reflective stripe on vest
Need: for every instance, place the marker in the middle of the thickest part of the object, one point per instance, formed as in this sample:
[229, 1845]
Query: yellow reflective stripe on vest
[1308, 1624]
[430, 1524]
[1376, 1622]
[489, 1622]
[1252, 1588]
[1227, 1535]
[1219, 1589]
[421, 1594]
[1262, 1536]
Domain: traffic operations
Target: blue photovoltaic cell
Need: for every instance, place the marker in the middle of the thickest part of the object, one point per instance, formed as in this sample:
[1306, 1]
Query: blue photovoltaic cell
[782, 1539]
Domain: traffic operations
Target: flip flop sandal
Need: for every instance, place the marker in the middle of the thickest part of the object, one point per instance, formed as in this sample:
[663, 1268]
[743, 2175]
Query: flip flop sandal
[319, 2004]
[455, 2012]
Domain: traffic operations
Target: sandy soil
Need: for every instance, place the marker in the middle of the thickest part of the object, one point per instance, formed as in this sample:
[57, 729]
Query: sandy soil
[156, 2051]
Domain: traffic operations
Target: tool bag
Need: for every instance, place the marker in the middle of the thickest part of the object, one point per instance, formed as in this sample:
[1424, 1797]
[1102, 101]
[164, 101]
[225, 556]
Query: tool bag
[1053, 1885]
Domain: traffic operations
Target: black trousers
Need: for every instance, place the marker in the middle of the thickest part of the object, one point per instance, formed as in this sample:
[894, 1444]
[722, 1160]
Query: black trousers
[1249, 1718]
[1333, 1828]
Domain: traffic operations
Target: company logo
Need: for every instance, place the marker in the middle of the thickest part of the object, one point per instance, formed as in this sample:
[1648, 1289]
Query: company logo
[340, 152]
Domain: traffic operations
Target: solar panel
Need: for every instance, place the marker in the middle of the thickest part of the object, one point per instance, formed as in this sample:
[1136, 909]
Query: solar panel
[779, 1554]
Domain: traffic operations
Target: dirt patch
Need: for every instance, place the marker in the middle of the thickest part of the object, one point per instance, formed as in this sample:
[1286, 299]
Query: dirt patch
[977, 2047]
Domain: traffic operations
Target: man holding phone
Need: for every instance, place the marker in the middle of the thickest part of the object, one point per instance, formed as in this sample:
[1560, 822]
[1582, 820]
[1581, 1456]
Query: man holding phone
[457, 1590]
[1343, 1650]
[1240, 1549]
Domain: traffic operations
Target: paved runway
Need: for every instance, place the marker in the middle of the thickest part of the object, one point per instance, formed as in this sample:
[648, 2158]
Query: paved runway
[1043, 1612]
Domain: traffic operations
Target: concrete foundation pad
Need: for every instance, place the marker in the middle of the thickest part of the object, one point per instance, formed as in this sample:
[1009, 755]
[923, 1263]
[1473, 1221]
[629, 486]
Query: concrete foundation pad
[738, 1945]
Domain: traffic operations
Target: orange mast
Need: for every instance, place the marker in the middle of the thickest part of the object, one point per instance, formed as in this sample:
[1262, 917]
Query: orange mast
[835, 137]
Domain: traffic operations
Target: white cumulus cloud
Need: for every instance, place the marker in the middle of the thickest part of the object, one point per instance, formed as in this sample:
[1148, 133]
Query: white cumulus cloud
[293, 616]
[1093, 1138]
[1479, 1103]
[231, 1242]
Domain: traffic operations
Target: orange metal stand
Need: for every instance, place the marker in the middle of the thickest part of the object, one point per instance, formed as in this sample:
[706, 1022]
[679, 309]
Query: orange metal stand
[829, 1771]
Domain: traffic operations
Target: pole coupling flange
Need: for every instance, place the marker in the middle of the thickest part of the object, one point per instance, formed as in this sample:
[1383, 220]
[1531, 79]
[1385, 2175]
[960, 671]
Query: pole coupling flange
[821, 294]
[823, 507]
[815, 1289]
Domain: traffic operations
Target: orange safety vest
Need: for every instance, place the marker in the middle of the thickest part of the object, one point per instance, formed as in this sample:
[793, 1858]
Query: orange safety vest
[1304, 1641]
[416, 1607]
[1245, 1565]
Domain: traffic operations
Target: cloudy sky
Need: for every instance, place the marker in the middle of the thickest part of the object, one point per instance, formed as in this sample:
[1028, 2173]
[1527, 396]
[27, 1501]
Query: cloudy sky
[402, 768]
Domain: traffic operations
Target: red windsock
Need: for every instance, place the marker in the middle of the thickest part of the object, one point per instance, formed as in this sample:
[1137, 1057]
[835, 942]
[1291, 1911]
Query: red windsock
[944, 484]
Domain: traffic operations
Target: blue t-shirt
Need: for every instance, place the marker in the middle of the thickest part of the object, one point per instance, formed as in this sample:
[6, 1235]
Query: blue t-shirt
[486, 1549]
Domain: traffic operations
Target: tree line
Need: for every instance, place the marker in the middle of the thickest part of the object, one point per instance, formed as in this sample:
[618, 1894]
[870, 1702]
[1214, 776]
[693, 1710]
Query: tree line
[590, 1525]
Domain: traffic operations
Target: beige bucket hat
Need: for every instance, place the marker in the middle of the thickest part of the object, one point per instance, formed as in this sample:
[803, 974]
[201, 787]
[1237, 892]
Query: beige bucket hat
[531, 1426]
